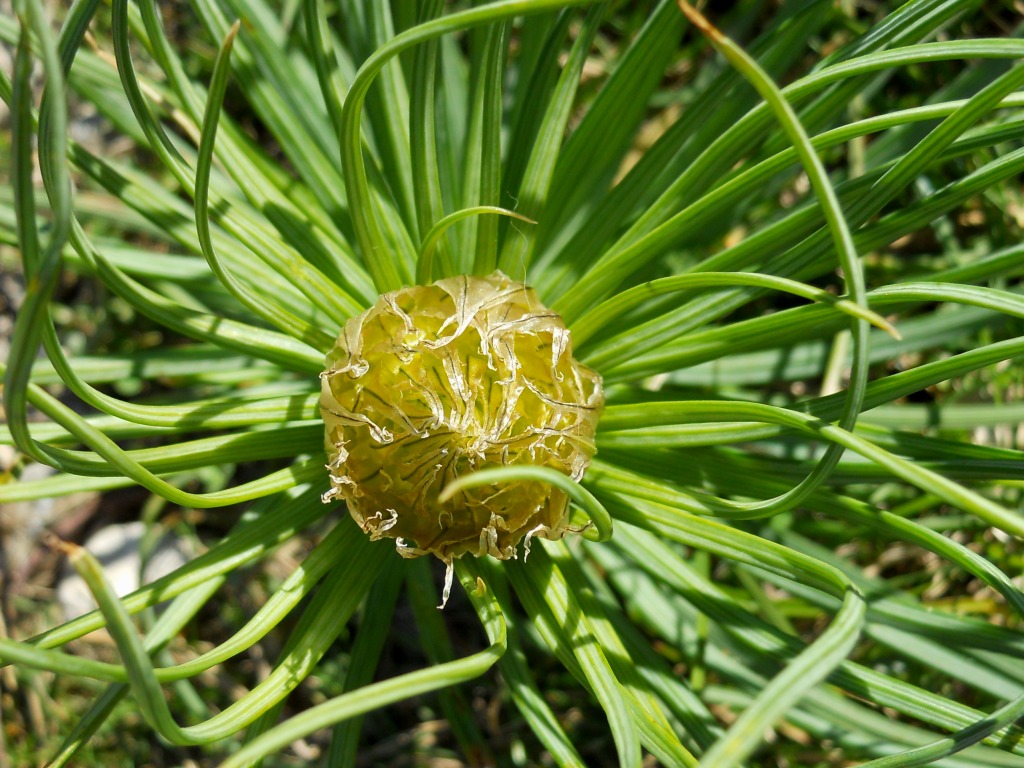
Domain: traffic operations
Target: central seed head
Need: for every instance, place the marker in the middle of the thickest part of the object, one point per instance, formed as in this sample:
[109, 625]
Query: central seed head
[434, 382]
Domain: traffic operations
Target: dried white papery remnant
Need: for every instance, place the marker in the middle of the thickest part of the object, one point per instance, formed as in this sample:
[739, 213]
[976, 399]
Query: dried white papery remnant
[434, 382]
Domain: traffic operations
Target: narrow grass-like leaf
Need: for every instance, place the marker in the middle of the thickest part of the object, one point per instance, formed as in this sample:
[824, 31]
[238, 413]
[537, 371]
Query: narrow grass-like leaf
[178, 166]
[287, 204]
[599, 516]
[538, 70]
[252, 299]
[861, 681]
[662, 164]
[590, 157]
[42, 264]
[378, 613]
[612, 309]
[1006, 715]
[259, 342]
[700, 725]
[438, 648]
[803, 672]
[543, 590]
[485, 255]
[385, 271]
[335, 548]
[540, 167]
[645, 704]
[523, 687]
[425, 262]
[168, 625]
[423, 135]
[388, 110]
[324, 621]
[267, 525]
[281, 108]
[380, 694]
[739, 134]
[126, 465]
[946, 489]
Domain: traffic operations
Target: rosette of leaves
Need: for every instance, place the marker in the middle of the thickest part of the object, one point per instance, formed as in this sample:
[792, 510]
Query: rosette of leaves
[729, 230]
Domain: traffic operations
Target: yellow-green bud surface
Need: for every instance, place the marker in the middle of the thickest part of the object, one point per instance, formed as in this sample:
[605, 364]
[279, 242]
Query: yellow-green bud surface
[434, 382]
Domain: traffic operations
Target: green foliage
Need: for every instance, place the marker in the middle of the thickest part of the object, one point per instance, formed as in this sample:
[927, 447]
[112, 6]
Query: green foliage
[792, 253]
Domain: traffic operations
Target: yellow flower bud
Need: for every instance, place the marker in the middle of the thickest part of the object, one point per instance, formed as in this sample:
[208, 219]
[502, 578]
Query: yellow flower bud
[434, 382]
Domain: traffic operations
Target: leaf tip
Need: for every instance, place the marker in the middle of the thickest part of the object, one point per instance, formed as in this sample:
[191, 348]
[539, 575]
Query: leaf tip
[698, 20]
[229, 38]
[55, 542]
